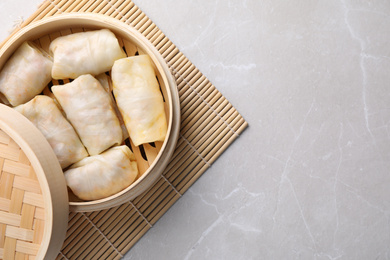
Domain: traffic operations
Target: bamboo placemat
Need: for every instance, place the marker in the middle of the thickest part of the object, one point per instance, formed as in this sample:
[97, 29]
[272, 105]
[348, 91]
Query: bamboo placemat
[209, 124]
[22, 216]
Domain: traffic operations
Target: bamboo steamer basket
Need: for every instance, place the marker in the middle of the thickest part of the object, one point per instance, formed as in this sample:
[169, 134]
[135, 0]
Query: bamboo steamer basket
[151, 158]
[33, 199]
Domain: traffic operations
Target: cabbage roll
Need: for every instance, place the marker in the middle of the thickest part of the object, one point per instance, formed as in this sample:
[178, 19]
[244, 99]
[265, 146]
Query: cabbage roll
[102, 175]
[47, 117]
[90, 110]
[25, 74]
[92, 52]
[139, 99]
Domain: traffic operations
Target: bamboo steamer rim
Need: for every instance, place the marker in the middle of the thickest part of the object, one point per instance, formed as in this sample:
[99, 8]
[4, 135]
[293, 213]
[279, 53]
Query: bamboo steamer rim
[49, 175]
[59, 22]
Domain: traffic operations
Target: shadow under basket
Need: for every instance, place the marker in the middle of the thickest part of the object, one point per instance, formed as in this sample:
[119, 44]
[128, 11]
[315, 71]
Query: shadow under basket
[151, 158]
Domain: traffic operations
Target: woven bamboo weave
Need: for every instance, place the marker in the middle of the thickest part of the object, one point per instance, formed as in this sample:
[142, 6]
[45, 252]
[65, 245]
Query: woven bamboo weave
[22, 214]
[209, 125]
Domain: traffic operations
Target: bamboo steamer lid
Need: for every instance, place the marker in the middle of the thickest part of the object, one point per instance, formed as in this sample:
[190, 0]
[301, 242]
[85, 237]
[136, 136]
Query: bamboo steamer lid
[34, 203]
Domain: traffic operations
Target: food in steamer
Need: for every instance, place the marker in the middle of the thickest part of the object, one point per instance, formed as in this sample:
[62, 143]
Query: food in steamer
[102, 175]
[89, 109]
[43, 112]
[139, 99]
[82, 99]
[25, 74]
[92, 52]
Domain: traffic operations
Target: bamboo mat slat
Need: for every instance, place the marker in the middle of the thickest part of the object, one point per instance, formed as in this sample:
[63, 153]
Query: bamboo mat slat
[209, 124]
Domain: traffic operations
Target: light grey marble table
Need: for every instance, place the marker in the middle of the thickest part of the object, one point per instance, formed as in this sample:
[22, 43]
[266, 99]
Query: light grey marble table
[309, 178]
